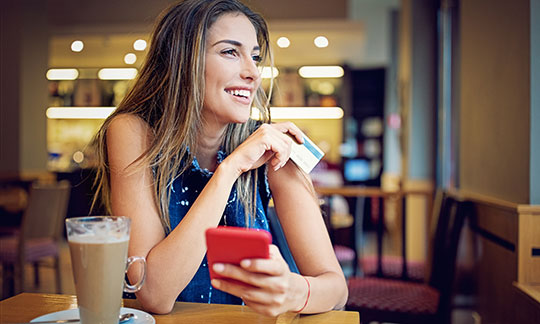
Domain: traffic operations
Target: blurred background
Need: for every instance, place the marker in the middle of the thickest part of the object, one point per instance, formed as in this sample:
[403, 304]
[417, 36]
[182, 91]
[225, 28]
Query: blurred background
[404, 96]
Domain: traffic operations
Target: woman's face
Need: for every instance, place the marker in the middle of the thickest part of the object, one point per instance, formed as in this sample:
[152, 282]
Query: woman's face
[231, 73]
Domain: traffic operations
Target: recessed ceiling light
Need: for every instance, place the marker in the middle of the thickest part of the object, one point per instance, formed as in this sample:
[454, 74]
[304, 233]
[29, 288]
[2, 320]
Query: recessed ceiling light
[77, 46]
[283, 42]
[139, 45]
[78, 157]
[130, 58]
[320, 41]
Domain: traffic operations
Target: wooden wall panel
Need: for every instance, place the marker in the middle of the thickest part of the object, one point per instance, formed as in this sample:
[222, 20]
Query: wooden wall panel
[529, 245]
[507, 233]
[494, 98]
[496, 272]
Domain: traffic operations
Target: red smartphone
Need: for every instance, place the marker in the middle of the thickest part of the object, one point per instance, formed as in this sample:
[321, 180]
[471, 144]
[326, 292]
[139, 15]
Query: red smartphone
[233, 244]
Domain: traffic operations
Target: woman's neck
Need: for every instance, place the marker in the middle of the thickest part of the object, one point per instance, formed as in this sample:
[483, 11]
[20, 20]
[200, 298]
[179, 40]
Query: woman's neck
[207, 147]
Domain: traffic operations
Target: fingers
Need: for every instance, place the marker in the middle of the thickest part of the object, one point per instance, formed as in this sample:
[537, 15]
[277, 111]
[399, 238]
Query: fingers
[263, 273]
[237, 273]
[278, 143]
[265, 293]
[257, 272]
[270, 143]
[274, 266]
[260, 300]
[292, 129]
[252, 293]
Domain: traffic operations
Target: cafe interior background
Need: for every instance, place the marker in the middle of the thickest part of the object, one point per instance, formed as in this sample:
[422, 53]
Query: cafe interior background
[401, 95]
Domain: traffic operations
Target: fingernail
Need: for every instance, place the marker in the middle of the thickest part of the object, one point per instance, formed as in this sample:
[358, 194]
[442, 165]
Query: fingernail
[218, 267]
[245, 263]
[215, 283]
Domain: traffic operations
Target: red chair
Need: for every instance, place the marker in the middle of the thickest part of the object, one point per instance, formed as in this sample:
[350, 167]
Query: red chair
[398, 301]
[392, 268]
[41, 230]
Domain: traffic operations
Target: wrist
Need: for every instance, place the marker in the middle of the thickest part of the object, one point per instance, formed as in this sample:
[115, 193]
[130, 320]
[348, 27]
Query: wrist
[304, 294]
[227, 169]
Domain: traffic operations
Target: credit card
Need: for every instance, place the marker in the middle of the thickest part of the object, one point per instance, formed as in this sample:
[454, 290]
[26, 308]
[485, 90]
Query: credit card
[306, 155]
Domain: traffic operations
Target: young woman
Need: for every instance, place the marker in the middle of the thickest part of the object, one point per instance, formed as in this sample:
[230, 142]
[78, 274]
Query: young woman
[181, 155]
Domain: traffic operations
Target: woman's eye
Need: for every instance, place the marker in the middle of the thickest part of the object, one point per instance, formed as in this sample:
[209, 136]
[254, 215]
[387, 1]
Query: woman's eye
[257, 58]
[229, 52]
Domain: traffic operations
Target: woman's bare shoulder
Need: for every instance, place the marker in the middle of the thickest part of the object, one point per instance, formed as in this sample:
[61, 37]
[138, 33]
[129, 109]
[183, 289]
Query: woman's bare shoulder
[128, 123]
[128, 136]
[129, 127]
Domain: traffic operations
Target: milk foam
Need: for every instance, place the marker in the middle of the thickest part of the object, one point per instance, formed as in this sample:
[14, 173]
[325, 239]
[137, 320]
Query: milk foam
[97, 239]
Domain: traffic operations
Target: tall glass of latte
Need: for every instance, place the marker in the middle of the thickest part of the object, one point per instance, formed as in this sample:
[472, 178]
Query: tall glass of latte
[98, 247]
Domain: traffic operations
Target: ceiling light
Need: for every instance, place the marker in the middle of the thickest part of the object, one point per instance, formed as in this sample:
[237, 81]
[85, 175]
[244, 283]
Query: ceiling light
[79, 112]
[321, 71]
[283, 42]
[139, 45]
[77, 46]
[269, 72]
[62, 74]
[301, 113]
[78, 157]
[130, 58]
[320, 41]
[117, 74]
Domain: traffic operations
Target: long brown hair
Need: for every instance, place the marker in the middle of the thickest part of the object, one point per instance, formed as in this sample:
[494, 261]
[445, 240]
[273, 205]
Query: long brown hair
[168, 95]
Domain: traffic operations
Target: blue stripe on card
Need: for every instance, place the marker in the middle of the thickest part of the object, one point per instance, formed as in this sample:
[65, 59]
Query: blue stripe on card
[312, 149]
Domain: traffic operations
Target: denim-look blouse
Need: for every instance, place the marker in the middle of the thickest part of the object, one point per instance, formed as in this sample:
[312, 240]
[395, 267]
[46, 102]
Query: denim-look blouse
[184, 190]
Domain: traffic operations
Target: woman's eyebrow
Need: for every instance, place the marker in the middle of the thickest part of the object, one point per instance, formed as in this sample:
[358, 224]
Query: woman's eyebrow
[235, 43]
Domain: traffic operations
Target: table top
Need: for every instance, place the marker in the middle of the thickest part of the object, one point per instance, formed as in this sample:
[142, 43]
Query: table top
[361, 191]
[26, 306]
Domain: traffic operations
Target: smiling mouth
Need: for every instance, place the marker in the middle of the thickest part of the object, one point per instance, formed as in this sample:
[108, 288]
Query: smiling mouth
[239, 93]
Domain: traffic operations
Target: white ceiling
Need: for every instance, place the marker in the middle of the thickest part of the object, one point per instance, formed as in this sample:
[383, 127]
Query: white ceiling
[360, 40]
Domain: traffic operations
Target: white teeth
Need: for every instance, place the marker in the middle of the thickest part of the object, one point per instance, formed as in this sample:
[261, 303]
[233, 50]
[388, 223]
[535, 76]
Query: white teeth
[243, 93]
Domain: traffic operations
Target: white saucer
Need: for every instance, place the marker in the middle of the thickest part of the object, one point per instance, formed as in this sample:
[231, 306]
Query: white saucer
[140, 316]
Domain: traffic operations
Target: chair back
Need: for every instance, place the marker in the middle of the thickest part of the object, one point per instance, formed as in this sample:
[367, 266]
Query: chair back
[443, 208]
[445, 244]
[46, 210]
[438, 203]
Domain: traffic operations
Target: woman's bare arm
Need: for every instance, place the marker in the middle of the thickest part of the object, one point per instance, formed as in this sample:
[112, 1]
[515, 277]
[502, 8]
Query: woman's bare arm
[173, 260]
[308, 238]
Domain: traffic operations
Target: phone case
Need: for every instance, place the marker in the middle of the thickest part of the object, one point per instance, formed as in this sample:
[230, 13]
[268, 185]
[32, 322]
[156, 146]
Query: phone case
[233, 244]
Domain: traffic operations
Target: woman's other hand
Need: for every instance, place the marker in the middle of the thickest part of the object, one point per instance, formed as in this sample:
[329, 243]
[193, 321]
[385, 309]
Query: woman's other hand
[270, 142]
[271, 288]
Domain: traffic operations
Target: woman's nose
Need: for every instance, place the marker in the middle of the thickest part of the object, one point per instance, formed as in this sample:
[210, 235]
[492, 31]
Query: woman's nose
[250, 70]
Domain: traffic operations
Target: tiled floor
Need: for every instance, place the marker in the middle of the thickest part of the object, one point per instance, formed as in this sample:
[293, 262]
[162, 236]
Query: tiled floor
[48, 285]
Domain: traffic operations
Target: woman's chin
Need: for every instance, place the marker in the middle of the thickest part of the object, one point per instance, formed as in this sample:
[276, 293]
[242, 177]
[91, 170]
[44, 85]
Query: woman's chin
[240, 118]
[241, 121]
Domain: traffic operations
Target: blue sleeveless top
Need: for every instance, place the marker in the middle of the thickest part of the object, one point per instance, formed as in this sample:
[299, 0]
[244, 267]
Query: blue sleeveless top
[184, 190]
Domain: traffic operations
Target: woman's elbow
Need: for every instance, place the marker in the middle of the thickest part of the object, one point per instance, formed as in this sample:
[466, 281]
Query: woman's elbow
[343, 295]
[158, 306]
